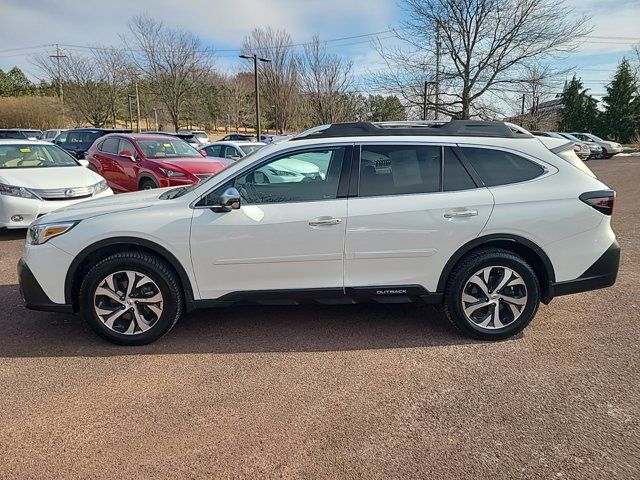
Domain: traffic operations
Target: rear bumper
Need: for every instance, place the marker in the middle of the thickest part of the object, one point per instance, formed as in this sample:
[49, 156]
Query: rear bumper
[33, 295]
[601, 274]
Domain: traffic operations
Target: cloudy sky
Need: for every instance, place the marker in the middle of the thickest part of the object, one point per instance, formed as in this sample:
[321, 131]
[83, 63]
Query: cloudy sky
[30, 27]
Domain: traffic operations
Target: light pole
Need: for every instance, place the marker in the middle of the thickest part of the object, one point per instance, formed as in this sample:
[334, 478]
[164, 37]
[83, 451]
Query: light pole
[256, 58]
[275, 123]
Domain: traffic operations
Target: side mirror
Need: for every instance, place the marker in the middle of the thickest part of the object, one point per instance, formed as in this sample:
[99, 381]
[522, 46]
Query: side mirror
[203, 152]
[127, 154]
[229, 200]
[84, 163]
[235, 158]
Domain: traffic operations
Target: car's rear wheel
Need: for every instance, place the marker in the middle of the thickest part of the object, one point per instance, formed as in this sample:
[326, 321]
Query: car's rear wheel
[147, 184]
[131, 298]
[492, 294]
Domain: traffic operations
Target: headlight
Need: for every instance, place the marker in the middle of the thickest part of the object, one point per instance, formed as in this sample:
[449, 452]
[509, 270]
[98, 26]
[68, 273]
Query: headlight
[14, 191]
[39, 234]
[171, 173]
[99, 187]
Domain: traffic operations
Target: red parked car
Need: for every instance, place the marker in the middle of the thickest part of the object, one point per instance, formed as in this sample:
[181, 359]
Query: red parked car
[130, 162]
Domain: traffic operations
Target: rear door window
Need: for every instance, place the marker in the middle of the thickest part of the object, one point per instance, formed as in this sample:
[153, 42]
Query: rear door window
[213, 150]
[399, 169]
[497, 167]
[110, 145]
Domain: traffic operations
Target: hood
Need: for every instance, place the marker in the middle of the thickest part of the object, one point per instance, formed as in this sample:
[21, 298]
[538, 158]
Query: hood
[49, 177]
[101, 206]
[194, 165]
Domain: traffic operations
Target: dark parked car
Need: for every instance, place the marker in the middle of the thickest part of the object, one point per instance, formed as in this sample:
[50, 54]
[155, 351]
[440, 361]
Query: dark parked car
[239, 137]
[78, 140]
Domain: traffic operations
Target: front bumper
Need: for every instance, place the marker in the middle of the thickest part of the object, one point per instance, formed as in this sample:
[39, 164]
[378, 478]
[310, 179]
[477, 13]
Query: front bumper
[33, 295]
[30, 209]
[601, 274]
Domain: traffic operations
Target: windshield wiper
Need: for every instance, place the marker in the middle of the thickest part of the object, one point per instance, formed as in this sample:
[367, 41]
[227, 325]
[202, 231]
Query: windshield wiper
[174, 193]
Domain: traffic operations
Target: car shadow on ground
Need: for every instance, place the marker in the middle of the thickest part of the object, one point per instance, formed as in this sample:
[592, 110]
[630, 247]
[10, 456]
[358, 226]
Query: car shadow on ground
[241, 329]
[10, 235]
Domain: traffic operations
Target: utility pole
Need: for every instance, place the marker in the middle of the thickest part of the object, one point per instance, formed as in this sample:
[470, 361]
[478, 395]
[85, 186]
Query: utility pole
[438, 48]
[424, 107]
[137, 108]
[256, 58]
[129, 96]
[522, 111]
[58, 56]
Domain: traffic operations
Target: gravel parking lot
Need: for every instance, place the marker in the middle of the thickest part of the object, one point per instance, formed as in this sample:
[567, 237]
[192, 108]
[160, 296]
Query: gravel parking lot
[366, 391]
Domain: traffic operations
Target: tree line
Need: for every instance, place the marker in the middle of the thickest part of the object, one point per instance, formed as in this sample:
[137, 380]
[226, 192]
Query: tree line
[619, 116]
[448, 59]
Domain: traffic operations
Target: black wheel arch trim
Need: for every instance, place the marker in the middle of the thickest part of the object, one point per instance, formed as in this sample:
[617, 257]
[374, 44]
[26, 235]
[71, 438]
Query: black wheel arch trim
[147, 176]
[487, 240]
[147, 244]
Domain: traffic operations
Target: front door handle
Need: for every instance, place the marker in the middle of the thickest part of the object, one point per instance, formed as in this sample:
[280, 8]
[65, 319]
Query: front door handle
[461, 213]
[321, 221]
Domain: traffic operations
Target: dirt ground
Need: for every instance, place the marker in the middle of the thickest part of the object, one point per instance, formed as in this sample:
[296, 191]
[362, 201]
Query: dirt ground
[365, 391]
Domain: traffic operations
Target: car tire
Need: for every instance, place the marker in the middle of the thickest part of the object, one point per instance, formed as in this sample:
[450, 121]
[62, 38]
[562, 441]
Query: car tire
[131, 314]
[604, 153]
[147, 184]
[510, 286]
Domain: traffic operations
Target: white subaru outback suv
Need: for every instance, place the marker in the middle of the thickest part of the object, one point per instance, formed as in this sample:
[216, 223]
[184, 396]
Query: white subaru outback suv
[480, 216]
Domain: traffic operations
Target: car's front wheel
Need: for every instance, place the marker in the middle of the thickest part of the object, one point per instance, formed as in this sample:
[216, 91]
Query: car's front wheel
[492, 294]
[131, 298]
[147, 184]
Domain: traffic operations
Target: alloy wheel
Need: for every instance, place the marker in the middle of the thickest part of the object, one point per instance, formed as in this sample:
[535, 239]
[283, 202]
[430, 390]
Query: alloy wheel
[128, 302]
[494, 297]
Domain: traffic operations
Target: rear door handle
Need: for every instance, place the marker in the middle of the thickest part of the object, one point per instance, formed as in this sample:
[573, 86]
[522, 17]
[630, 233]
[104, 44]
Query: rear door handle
[321, 221]
[461, 213]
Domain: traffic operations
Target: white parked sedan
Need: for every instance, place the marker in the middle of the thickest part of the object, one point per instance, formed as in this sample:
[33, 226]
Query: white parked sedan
[37, 177]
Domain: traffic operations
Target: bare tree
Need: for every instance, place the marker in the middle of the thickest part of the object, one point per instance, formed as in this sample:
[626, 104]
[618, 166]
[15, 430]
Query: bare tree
[174, 61]
[86, 86]
[113, 62]
[325, 79]
[279, 77]
[484, 45]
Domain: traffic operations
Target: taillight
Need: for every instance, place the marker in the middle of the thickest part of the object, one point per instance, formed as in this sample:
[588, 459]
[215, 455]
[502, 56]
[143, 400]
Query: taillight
[602, 200]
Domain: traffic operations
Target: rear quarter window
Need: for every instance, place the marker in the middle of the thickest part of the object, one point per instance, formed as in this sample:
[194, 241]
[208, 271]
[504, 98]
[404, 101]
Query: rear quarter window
[496, 167]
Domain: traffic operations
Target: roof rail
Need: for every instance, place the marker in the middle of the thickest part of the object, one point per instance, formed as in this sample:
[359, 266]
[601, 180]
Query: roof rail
[461, 128]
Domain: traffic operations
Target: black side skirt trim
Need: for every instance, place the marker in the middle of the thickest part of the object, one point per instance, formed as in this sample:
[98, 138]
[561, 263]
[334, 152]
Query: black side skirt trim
[327, 296]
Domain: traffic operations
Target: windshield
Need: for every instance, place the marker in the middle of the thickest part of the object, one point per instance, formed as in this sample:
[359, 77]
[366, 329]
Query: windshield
[570, 137]
[14, 134]
[556, 135]
[167, 148]
[593, 137]
[249, 149]
[34, 156]
[82, 137]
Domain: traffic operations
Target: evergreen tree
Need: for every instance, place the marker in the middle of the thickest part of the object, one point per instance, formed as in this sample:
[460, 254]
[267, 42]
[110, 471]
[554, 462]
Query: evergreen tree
[572, 107]
[15, 83]
[579, 109]
[621, 120]
[383, 108]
